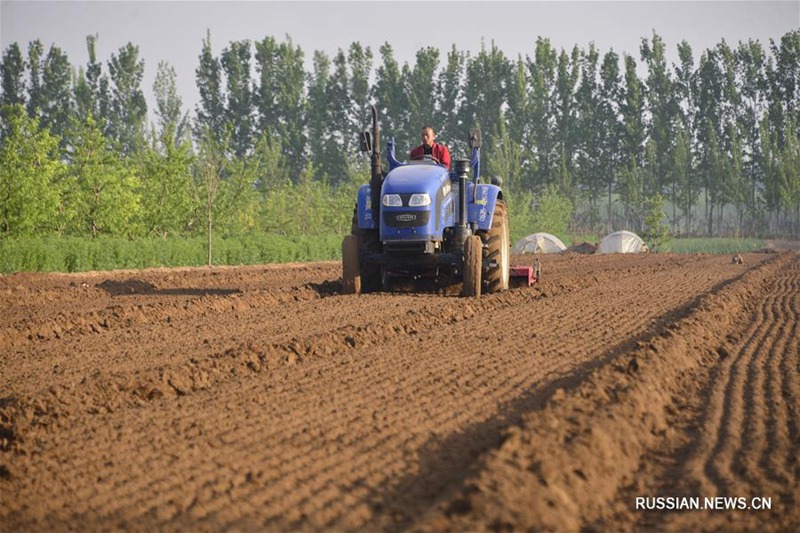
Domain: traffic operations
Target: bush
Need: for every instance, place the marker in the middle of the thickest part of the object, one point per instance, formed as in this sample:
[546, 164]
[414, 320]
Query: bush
[656, 233]
[552, 213]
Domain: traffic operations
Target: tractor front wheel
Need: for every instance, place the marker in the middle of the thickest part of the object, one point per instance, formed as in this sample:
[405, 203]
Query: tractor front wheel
[473, 248]
[351, 269]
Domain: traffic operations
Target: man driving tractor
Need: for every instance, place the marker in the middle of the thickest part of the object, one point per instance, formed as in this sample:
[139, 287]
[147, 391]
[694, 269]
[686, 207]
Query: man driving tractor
[429, 147]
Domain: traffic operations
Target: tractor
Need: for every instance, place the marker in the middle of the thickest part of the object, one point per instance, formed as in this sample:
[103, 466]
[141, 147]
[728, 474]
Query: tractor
[420, 220]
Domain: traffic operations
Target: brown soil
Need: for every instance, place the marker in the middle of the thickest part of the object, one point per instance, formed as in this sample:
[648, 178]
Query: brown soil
[261, 398]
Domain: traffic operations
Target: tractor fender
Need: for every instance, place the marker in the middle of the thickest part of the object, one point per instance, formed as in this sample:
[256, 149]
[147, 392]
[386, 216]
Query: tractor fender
[364, 208]
[480, 204]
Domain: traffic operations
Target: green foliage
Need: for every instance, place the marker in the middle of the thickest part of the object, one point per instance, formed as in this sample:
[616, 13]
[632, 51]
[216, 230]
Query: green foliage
[166, 186]
[656, 233]
[520, 214]
[279, 103]
[12, 70]
[236, 65]
[630, 183]
[169, 105]
[211, 109]
[552, 212]
[30, 173]
[308, 208]
[101, 194]
[128, 108]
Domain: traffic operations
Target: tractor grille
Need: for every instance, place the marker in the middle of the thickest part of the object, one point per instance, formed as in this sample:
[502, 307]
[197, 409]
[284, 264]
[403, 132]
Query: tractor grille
[406, 219]
[408, 248]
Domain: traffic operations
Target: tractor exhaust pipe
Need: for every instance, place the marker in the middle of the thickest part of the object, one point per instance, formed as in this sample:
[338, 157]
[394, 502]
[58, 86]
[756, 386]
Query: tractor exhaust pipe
[462, 230]
[376, 180]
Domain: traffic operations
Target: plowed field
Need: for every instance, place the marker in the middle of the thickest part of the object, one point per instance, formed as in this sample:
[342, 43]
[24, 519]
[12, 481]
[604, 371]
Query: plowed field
[261, 398]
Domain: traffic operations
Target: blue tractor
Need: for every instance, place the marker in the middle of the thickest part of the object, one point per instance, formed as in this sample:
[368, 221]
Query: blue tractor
[420, 220]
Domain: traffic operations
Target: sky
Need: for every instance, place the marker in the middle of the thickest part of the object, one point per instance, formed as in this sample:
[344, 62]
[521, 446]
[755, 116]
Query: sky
[173, 31]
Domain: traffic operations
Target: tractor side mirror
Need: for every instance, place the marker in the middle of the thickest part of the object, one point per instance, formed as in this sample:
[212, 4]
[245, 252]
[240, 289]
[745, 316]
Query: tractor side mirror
[475, 138]
[365, 141]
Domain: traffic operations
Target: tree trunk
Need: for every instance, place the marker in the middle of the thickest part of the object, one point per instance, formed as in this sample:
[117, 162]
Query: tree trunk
[710, 211]
[208, 231]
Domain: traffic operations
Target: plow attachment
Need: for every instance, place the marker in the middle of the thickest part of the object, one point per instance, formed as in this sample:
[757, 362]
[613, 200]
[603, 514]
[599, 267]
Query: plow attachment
[525, 275]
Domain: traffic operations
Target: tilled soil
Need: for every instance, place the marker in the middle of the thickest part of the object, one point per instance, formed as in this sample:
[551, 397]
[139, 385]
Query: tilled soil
[261, 398]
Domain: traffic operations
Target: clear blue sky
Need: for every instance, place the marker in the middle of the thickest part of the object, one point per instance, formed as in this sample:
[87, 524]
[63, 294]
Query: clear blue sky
[173, 31]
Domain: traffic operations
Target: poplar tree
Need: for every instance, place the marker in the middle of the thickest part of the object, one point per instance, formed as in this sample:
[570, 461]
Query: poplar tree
[661, 106]
[128, 108]
[210, 110]
[91, 92]
[485, 93]
[685, 179]
[12, 84]
[321, 142]
[451, 99]
[514, 141]
[235, 61]
[420, 88]
[542, 75]
[12, 72]
[752, 81]
[339, 102]
[35, 68]
[280, 98]
[709, 101]
[391, 98]
[590, 133]
[568, 72]
[56, 104]
[359, 59]
[169, 105]
[686, 187]
[610, 125]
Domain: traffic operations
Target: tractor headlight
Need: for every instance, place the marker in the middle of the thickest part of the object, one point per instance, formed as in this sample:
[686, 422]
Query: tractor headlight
[392, 200]
[419, 200]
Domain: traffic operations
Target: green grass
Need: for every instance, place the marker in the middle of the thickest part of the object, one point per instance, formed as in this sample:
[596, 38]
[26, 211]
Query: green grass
[719, 245]
[75, 254]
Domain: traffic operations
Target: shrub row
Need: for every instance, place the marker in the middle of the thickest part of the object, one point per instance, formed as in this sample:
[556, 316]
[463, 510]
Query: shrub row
[75, 254]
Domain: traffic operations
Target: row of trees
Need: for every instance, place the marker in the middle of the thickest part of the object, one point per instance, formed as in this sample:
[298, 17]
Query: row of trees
[714, 134]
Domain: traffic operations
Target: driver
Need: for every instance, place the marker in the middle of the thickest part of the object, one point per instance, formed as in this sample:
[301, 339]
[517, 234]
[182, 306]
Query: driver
[433, 149]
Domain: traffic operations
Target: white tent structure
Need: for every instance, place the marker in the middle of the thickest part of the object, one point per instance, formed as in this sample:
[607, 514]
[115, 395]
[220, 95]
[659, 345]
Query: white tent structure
[621, 242]
[541, 243]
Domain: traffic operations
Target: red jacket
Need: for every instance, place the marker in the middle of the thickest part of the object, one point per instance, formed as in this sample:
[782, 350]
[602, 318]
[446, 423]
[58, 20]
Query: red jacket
[439, 151]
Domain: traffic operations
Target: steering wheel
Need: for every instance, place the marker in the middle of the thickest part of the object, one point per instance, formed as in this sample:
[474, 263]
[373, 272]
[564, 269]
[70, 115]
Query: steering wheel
[426, 157]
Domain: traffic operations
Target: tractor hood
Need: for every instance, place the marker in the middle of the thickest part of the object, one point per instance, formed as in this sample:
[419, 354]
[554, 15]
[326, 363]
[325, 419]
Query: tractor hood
[406, 215]
[416, 178]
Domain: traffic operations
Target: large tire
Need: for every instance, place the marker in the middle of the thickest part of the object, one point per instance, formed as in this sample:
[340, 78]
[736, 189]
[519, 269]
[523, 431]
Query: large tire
[496, 251]
[368, 242]
[471, 286]
[351, 268]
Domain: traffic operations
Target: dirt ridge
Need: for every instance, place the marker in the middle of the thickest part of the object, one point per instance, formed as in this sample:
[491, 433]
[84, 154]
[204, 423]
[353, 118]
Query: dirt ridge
[601, 429]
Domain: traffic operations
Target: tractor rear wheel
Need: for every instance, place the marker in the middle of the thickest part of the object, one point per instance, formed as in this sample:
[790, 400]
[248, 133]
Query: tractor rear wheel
[351, 269]
[471, 286]
[496, 251]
